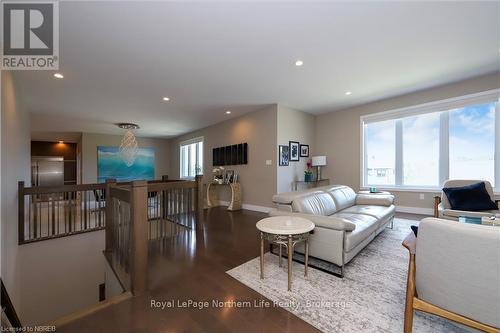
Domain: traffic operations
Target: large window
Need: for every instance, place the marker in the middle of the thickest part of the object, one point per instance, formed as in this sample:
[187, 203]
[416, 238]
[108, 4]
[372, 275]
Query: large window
[191, 158]
[422, 146]
[380, 152]
[472, 142]
[421, 150]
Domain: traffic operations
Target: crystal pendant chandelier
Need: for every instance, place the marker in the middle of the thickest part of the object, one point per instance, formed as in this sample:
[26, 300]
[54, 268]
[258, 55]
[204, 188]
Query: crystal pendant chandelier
[128, 146]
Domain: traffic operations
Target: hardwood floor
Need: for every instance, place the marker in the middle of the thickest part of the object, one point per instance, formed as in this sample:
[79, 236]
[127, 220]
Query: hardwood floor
[192, 267]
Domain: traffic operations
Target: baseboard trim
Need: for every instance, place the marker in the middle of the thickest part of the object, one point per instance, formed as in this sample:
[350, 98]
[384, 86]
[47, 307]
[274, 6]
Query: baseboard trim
[90, 310]
[255, 208]
[415, 210]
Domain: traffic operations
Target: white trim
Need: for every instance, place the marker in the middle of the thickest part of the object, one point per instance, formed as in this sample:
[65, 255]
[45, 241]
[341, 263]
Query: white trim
[398, 167]
[362, 146]
[191, 141]
[497, 147]
[415, 210]
[255, 208]
[444, 147]
[435, 106]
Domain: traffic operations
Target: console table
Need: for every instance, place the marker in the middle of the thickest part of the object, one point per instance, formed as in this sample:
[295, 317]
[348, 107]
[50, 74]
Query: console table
[235, 203]
[314, 183]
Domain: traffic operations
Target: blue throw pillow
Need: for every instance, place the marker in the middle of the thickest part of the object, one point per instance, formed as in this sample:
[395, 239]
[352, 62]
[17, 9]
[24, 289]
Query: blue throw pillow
[470, 198]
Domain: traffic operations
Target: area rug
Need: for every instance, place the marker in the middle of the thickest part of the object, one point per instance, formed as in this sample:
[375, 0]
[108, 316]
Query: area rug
[370, 298]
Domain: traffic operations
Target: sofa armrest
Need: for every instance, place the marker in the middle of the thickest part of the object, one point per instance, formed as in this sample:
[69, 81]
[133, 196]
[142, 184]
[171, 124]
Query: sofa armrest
[374, 199]
[328, 222]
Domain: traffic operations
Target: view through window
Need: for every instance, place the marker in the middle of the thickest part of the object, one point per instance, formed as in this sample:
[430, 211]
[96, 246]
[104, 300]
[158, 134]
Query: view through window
[191, 158]
[423, 150]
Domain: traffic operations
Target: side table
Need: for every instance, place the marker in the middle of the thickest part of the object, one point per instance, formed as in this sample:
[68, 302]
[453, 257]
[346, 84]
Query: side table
[285, 231]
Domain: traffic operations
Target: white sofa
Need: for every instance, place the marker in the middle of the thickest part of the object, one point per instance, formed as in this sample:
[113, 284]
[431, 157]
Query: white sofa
[345, 221]
[442, 205]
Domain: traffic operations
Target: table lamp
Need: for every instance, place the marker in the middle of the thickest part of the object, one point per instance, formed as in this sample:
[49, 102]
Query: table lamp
[318, 162]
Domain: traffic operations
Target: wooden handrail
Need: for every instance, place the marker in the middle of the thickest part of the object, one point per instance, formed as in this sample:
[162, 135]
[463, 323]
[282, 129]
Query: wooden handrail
[120, 193]
[62, 188]
[126, 210]
[155, 187]
[84, 187]
[8, 307]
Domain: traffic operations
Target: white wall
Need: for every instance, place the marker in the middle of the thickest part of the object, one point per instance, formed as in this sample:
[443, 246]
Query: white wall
[89, 144]
[48, 279]
[293, 125]
[15, 163]
[60, 276]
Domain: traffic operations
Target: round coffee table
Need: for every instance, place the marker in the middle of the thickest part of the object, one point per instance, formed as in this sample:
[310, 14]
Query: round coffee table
[287, 231]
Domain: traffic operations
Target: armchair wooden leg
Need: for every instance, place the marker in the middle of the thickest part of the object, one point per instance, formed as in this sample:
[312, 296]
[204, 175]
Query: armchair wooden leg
[437, 201]
[410, 294]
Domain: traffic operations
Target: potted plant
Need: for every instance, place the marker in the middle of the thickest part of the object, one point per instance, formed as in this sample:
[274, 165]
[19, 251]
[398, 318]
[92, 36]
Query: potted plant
[308, 175]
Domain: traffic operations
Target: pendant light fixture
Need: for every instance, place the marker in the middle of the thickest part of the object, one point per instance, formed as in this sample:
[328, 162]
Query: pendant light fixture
[128, 146]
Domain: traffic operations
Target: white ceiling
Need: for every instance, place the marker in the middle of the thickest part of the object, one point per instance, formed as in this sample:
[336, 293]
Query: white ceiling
[120, 58]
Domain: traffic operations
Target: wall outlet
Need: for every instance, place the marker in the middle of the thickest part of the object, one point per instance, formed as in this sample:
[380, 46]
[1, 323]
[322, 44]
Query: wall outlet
[269, 162]
[422, 196]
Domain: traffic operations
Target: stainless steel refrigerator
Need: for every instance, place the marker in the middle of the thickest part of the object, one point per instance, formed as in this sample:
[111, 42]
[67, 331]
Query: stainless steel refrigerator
[47, 171]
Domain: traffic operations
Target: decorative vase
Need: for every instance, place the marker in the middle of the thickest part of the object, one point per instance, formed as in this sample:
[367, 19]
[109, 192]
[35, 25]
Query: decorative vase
[308, 177]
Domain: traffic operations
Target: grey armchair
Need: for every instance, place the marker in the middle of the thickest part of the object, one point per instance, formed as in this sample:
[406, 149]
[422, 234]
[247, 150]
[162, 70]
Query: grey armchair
[453, 272]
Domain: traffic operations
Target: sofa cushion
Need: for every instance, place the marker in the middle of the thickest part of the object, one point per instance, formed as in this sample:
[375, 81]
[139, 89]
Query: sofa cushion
[375, 199]
[344, 196]
[472, 197]
[288, 197]
[365, 226]
[381, 213]
[327, 222]
[316, 203]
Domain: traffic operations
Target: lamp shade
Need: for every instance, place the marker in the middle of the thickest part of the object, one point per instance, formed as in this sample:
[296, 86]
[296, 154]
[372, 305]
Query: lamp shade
[319, 160]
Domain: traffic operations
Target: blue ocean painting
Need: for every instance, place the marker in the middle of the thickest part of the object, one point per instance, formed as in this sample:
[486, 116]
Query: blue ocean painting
[111, 165]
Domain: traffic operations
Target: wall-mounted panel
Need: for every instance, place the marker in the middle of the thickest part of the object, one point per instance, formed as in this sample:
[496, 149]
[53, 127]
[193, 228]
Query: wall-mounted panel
[230, 155]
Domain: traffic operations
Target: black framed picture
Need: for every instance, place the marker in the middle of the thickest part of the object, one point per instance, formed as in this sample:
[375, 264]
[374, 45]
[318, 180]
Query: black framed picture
[304, 150]
[294, 151]
[283, 155]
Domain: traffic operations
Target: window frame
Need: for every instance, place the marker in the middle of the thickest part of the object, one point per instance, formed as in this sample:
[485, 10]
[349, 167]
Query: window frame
[187, 144]
[415, 110]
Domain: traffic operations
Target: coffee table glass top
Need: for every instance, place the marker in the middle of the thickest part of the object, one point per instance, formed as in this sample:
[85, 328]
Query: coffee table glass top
[479, 220]
[285, 225]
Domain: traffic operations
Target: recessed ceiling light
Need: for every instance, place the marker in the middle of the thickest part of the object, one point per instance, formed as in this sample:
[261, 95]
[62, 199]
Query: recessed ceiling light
[58, 75]
[348, 93]
[166, 99]
[228, 112]
[299, 63]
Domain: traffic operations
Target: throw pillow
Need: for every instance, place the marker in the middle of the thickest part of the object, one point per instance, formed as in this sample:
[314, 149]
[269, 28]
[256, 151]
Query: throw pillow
[414, 228]
[472, 197]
